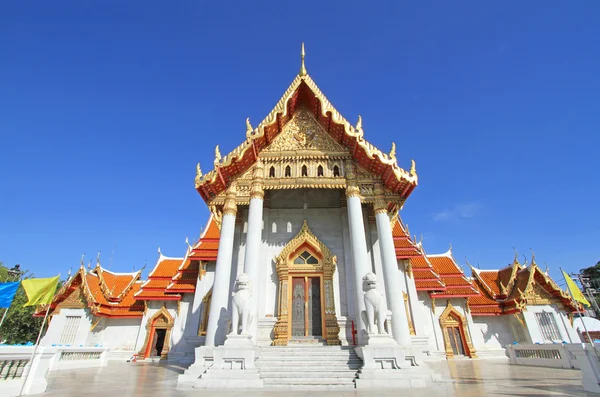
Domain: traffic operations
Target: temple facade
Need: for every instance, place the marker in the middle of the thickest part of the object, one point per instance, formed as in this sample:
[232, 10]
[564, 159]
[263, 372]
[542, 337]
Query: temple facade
[305, 246]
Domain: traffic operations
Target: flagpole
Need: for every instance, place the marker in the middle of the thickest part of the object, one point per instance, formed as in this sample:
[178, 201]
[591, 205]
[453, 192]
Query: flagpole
[34, 350]
[3, 316]
[580, 316]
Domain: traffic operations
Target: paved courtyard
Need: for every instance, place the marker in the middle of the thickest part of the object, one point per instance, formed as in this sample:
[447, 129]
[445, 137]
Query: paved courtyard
[464, 378]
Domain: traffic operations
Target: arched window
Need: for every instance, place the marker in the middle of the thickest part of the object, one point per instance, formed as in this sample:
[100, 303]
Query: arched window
[289, 227]
[272, 172]
[274, 228]
[288, 171]
[306, 258]
[304, 171]
[320, 171]
[336, 170]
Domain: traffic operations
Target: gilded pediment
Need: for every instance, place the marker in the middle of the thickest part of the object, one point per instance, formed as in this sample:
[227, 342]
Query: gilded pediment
[303, 135]
[538, 295]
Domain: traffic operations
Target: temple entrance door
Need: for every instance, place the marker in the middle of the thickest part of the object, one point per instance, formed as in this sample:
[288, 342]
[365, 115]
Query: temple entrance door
[158, 342]
[306, 307]
[456, 340]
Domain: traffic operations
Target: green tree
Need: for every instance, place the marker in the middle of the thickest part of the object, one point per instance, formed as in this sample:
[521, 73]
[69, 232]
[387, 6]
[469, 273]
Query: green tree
[19, 326]
[592, 274]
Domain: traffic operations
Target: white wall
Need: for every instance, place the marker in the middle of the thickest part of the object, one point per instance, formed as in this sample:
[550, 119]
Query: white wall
[567, 332]
[492, 332]
[57, 325]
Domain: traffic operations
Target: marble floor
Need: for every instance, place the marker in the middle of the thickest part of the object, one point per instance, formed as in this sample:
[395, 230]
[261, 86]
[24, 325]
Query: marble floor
[464, 378]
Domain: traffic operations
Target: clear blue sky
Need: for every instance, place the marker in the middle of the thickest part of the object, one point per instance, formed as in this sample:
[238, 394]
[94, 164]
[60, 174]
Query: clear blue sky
[106, 107]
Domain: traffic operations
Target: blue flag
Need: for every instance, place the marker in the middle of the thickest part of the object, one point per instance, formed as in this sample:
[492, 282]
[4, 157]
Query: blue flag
[7, 293]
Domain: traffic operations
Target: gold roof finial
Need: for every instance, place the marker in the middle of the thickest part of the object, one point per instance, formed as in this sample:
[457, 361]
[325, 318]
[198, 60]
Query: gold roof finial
[303, 71]
[358, 127]
[248, 128]
[217, 155]
[413, 168]
[198, 175]
[393, 151]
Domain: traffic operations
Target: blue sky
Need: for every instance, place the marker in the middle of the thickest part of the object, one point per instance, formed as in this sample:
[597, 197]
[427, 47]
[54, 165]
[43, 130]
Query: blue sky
[106, 107]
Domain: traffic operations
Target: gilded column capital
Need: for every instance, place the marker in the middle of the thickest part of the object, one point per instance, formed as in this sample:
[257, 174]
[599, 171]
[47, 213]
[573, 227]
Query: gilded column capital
[380, 206]
[352, 189]
[256, 190]
[230, 207]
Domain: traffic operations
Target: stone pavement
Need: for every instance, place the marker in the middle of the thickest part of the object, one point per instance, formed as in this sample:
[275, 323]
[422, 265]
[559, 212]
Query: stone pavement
[464, 378]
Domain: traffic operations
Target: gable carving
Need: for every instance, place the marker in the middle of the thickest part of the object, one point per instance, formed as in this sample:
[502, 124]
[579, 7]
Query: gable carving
[303, 133]
[73, 301]
[536, 294]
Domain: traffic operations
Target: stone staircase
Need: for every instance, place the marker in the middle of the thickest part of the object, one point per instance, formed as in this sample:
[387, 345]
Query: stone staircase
[308, 367]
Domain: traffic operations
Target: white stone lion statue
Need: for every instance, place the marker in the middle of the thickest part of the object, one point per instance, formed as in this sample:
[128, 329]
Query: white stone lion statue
[241, 305]
[375, 309]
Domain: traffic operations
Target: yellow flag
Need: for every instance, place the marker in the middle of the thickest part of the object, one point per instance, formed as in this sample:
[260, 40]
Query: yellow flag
[40, 291]
[574, 290]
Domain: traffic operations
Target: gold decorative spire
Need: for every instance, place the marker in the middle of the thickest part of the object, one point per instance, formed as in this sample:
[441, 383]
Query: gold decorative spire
[358, 127]
[303, 71]
[392, 154]
[198, 175]
[217, 155]
[413, 168]
[248, 128]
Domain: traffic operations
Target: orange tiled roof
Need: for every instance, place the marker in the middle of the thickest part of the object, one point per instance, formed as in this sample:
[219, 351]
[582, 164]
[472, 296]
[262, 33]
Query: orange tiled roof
[426, 279]
[518, 279]
[457, 285]
[208, 245]
[155, 288]
[405, 247]
[107, 294]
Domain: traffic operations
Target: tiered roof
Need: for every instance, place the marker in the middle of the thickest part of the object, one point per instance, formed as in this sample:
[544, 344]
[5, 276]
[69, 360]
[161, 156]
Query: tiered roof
[155, 288]
[425, 276]
[457, 285]
[304, 93]
[105, 293]
[510, 289]
[172, 277]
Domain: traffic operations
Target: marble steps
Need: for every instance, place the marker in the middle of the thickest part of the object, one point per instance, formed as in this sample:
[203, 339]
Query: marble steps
[309, 367]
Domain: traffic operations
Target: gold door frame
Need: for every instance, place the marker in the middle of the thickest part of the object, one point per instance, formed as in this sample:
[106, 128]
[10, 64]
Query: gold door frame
[284, 264]
[162, 319]
[452, 318]
[322, 298]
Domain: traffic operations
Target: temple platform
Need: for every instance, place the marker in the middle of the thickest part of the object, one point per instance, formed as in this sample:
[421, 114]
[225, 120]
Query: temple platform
[464, 378]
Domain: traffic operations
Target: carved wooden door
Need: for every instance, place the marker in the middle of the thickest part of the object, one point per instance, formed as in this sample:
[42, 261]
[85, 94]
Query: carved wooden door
[306, 307]
[456, 340]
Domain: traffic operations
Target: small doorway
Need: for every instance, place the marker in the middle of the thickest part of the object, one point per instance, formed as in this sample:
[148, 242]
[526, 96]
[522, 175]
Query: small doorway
[158, 342]
[158, 335]
[456, 335]
[306, 307]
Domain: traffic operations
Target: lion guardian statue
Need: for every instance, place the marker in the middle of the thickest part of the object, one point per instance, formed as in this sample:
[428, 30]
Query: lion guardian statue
[375, 309]
[241, 305]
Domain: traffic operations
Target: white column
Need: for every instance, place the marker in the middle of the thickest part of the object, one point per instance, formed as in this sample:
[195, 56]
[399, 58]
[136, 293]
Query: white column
[418, 317]
[391, 275]
[253, 242]
[359, 254]
[220, 290]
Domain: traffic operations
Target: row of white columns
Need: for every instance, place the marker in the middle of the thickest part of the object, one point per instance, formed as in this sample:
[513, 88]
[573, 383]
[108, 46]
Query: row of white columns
[221, 292]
